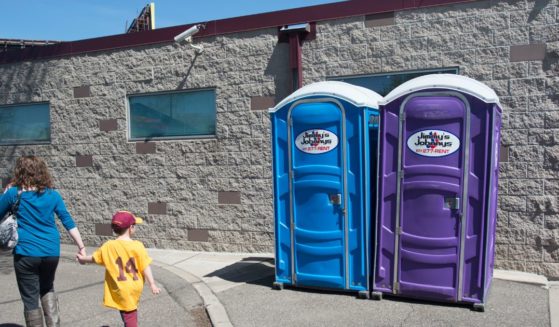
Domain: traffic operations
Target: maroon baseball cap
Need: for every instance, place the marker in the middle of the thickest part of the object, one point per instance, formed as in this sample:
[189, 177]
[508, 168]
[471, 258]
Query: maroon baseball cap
[125, 219]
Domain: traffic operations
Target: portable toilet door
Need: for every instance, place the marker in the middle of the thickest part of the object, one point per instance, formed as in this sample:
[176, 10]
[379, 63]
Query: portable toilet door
[438, 189]
[320, 183]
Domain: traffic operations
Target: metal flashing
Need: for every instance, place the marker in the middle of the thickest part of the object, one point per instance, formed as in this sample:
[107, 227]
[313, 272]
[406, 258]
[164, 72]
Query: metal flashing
[220, 27]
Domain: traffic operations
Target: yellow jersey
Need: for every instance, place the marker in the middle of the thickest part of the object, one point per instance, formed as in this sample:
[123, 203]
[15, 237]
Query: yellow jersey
[124, 261]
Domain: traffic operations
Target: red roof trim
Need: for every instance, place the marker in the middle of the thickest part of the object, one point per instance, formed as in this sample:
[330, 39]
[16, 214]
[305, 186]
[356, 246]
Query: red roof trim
[222, 26]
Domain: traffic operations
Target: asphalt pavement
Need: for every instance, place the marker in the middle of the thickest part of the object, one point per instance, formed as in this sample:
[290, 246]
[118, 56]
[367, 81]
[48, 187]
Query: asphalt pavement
[80, 293]
[254, 304]
[228, 289]
[242, 285]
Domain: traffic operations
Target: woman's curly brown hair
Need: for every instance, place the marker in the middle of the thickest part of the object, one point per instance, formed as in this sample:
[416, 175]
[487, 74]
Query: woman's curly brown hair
[32, 172]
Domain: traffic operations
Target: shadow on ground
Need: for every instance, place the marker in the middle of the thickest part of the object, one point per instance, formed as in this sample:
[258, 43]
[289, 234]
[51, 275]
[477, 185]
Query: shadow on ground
[251, 270]
[427, 302]
[260, 271]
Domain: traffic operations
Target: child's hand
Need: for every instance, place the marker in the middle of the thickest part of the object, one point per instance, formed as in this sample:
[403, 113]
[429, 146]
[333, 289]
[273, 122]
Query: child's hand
[154, 289]
[81, 258]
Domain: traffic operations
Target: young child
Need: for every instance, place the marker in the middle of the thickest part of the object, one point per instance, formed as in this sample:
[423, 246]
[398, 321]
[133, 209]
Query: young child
[126, 263]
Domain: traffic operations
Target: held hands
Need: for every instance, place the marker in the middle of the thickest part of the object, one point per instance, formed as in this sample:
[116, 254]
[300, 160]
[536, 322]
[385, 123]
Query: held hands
[81, 256]
[82, 251]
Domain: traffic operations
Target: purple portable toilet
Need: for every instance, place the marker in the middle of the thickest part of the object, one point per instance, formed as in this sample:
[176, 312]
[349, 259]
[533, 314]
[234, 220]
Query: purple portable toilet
[437, 196]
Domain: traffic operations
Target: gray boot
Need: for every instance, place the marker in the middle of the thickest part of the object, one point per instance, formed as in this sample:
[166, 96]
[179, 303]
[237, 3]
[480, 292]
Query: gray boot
[49, 302]
[33, 318]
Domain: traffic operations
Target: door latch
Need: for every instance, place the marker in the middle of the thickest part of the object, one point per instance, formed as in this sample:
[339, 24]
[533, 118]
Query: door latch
[373, 120]
[452, 203]
[336, 199]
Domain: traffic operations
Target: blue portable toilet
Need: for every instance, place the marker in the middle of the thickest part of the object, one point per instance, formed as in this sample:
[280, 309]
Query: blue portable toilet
[324, 146]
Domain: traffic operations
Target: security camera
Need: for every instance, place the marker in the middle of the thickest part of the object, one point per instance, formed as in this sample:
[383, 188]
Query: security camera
[187, 35]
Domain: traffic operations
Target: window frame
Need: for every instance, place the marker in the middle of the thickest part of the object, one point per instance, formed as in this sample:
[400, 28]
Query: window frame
[167, 138]
[426, 71]
[28, 142]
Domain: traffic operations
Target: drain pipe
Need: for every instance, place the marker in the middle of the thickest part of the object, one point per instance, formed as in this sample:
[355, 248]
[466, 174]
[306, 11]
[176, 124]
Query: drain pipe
[295, 35]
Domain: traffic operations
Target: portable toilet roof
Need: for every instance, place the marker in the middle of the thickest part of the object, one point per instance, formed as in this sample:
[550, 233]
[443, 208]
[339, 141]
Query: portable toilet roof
[356, 95]
[444, 81]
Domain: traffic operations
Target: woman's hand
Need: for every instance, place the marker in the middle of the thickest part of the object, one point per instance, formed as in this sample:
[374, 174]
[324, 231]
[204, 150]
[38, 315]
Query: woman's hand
[81, 251]
[81, 255]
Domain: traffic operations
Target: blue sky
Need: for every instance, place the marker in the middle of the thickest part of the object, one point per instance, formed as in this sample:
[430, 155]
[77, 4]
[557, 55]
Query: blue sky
[68, 20]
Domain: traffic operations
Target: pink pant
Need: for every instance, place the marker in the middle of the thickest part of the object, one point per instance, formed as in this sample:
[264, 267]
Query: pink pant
[130, 318]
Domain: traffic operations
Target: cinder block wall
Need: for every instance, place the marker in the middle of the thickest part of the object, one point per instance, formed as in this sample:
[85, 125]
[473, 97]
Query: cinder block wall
[215, 194]
[204, 194]
[512, 46]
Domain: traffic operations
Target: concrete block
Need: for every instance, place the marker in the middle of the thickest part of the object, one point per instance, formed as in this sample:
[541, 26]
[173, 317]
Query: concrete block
[82, 91]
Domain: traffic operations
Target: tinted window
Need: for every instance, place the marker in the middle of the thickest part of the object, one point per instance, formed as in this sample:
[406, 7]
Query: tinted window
[172, 115]
[384, 83]
[25, 124]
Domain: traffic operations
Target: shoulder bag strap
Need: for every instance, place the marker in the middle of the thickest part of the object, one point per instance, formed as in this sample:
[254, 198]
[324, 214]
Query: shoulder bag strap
[15, 206]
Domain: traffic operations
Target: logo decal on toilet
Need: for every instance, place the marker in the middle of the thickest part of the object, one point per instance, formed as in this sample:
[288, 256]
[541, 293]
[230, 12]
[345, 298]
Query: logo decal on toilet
[316, 141]
[433, 143]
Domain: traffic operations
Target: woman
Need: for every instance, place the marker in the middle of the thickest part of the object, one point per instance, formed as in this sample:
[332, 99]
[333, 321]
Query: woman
[37, 253]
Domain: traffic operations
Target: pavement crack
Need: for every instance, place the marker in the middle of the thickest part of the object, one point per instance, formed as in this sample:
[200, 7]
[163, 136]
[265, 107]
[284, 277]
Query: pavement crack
[60, 292]
[10, 301]
[183, 260]
[408, 316]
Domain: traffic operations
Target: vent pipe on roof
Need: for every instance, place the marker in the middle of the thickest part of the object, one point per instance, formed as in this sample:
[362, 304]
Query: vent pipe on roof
[296, 33]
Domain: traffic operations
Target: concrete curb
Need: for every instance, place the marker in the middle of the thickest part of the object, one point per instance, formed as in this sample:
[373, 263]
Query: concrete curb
[554, 303]
[219, 317]
[521, 277]
[216, 311]
[528, 278]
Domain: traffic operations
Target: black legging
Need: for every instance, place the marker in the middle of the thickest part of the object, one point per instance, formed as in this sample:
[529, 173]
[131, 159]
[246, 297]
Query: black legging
[35, 278]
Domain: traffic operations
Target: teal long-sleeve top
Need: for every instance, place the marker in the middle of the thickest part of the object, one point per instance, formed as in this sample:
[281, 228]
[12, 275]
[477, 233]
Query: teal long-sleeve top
[37, 231]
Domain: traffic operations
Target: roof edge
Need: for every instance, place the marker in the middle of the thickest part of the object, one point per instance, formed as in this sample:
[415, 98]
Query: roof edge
[219, 27]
